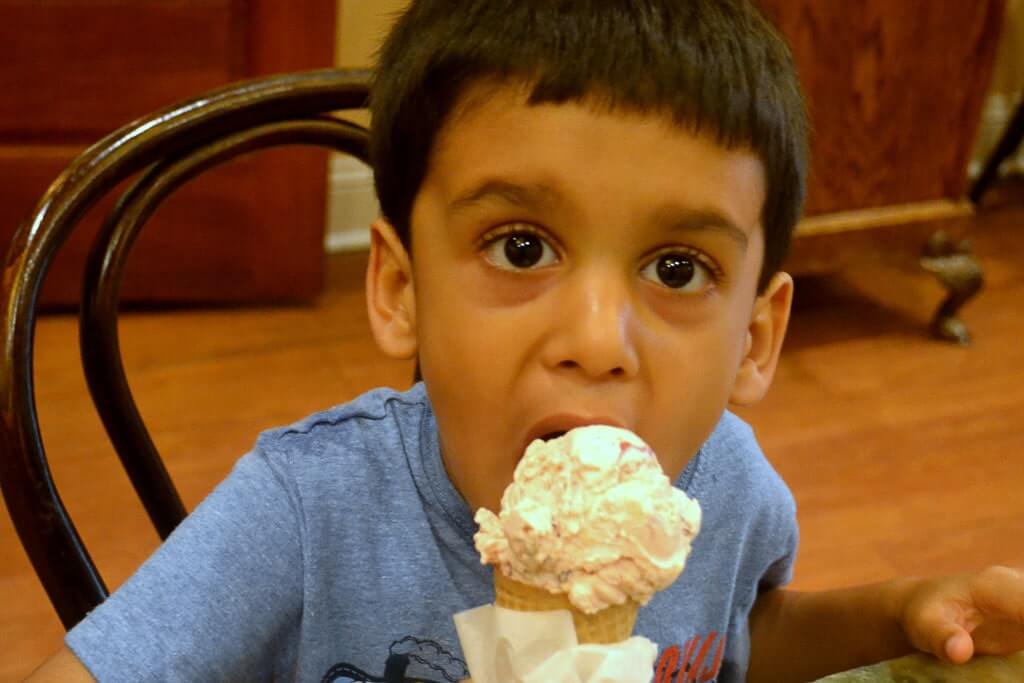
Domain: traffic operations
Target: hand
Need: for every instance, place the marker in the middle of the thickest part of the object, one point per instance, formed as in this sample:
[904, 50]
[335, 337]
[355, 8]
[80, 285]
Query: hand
[956, 617]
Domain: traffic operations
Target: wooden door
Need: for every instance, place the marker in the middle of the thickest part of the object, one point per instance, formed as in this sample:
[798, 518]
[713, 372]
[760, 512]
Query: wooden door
[77, 69]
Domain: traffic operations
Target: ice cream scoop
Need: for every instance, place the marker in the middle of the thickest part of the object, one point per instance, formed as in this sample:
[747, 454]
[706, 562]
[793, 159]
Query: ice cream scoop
[590, 516]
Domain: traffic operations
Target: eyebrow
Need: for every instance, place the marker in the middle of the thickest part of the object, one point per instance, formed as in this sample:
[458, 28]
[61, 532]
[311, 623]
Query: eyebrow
[538, 196]
[533, 196]
[686, 219]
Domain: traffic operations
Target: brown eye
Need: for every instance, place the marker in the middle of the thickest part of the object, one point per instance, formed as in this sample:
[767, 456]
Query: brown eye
[680, 271]
[523, 251]
[675, 271]
[520, 251]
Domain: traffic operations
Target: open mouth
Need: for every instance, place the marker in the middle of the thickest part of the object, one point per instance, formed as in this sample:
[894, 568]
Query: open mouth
[560, 424]
[552, 435]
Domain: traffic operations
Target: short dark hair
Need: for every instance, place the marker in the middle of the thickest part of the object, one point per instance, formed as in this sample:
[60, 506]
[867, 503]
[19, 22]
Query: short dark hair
[712, 66]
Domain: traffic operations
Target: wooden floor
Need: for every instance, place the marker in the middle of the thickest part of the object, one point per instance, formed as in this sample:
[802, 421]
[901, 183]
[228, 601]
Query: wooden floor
[905, 455]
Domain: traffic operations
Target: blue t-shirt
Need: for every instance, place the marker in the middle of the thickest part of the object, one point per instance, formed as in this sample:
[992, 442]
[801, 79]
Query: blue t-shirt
[338, 550]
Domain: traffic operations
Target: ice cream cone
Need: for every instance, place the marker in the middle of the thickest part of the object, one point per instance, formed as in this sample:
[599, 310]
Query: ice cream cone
[613, 624]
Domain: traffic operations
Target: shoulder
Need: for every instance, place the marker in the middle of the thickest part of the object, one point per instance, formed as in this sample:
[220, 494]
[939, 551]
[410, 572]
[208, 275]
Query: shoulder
[744, 498]
[375, 405]
[732, 467]
[732, 451]
[375, 413]
[360, 436]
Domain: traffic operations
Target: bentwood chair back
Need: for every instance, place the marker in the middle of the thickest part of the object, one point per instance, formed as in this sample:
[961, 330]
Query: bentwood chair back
[162, 152]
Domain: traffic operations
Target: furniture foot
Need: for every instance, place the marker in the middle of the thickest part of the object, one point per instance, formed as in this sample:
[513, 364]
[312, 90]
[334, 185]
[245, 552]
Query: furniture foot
[955, 267]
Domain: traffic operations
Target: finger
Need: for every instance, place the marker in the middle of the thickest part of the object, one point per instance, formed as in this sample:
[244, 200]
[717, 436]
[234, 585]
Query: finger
[999, 592]
[959, 647]
[938, 630]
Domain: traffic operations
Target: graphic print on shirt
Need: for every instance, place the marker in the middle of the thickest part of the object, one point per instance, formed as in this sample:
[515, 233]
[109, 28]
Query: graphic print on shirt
[412, 660]
[700, 659]
[409, 660]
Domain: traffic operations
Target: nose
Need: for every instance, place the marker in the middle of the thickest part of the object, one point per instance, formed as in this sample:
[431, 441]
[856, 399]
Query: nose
[593, 327]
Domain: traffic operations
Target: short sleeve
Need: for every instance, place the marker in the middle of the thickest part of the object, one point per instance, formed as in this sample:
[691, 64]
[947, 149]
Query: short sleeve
[780, 572]
[780, 525]
[219, 600]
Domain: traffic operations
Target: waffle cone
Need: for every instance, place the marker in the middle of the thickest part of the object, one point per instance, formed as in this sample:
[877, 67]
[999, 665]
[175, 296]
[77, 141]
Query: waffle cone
[613, 624]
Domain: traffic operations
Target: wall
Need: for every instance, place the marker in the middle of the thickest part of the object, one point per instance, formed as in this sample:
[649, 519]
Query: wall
[351, 204]
[1005, 93]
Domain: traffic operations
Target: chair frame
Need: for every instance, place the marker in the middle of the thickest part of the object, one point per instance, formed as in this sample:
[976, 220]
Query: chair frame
[164, 151]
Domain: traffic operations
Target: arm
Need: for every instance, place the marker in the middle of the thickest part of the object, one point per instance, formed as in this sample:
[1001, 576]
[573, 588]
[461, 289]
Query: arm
[63, 667]
[798, 636]
[803, 636]
[218, 600]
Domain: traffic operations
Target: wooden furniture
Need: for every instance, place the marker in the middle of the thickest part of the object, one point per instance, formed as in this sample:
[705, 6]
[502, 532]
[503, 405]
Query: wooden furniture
[77, 69]
[165, 151]
[895, 91]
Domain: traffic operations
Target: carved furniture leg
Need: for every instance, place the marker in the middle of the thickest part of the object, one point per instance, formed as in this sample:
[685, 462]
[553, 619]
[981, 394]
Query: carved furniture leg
[960, 273]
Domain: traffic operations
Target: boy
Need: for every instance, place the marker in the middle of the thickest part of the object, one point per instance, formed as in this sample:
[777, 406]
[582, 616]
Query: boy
[585, 206]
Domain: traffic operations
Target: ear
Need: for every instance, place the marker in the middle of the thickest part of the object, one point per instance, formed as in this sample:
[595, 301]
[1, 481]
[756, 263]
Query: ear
[390, 295]
[764, 341]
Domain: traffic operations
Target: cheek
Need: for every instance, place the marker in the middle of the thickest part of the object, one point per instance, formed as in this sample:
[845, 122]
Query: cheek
[683, 313]
[493, 289]
[692, 378]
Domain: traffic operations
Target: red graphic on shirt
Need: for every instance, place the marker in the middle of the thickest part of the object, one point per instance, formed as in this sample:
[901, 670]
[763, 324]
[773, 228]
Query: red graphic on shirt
[692, 662]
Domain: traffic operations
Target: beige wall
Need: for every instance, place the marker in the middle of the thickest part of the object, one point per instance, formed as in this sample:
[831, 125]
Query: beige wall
[351, 203]
[361, 28]
[1005, 92]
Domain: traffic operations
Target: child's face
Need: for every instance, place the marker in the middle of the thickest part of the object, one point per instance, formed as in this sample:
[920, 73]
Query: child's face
[571, 266]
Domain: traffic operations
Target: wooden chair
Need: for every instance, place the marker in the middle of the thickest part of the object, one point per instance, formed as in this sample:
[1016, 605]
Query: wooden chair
[164, 151]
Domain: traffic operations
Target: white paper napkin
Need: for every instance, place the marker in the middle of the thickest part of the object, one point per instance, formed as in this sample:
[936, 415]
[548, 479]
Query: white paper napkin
[507, 646]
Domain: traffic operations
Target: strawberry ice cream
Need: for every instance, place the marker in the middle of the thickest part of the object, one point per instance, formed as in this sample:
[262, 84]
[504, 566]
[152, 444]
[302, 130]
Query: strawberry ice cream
[590, 515]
